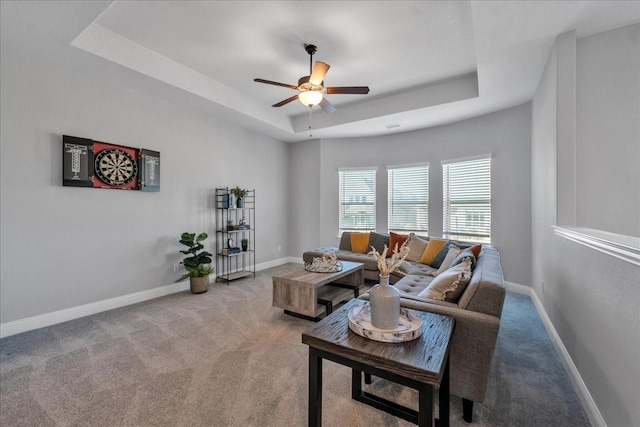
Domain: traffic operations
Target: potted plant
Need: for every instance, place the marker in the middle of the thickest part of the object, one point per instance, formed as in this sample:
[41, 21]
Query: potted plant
[229, 224]
[239, 193]
[245, 244]
[197, 263]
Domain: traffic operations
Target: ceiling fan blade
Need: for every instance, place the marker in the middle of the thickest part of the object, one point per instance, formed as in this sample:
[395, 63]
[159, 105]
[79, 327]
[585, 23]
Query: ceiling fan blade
[326, 106]
[356, 90]
[269, 82]
[319, 71]
[286, 101]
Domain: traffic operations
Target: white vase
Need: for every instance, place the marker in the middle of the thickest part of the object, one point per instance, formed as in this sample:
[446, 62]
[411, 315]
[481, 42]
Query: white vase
[385, 305]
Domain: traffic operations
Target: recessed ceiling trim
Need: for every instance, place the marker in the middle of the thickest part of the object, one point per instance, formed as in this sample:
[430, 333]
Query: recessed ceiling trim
[120, 50]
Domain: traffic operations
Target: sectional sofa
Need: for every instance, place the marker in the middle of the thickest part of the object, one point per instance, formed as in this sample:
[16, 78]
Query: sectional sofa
[477, 309]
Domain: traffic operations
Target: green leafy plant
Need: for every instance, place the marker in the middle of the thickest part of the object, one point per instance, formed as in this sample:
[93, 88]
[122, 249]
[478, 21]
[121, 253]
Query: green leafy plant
[239, 192]
[244, 242]
[197, 263]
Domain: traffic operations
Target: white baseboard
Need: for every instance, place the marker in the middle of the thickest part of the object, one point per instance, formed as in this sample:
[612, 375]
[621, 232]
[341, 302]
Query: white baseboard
[53, 318]
[581, 388]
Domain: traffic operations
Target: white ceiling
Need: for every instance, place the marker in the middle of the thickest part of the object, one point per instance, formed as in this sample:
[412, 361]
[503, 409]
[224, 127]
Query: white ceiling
[426, 62]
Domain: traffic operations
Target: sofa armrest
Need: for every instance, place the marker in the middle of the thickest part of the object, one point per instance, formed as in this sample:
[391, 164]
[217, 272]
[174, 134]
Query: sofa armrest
[472, 346]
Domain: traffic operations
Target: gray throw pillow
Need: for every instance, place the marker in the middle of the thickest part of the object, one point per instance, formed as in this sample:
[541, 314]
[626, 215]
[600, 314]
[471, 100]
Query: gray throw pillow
[378, 241]
[465, 254]
[437, 260]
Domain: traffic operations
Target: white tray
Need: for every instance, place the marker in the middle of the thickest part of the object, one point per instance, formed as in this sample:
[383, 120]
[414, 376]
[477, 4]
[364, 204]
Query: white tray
[410, 326]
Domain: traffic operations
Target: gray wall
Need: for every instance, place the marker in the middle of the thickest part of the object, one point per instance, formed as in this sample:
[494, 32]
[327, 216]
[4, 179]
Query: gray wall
[505, 135]
[591, 298]
[608, 131]
[62, 246]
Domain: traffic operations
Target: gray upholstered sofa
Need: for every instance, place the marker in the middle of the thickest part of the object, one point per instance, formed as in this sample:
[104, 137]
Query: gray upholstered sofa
[477, 313]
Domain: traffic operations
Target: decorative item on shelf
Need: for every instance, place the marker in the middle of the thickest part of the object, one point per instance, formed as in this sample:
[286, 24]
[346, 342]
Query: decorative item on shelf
[197, 263]
[245, 244]
[327, 264]
[383, 297]
[239, 193]
[229, 225]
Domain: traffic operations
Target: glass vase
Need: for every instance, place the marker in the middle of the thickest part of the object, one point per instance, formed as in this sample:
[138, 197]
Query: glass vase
[385, 305]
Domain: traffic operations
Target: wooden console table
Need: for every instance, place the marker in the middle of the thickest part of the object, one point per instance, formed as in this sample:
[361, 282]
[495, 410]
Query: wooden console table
[305, 294]
[421, 364]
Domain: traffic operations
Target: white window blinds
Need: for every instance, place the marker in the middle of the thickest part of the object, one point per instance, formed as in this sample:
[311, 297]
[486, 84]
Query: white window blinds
[357, 195]
[467, 199]
[408, 192]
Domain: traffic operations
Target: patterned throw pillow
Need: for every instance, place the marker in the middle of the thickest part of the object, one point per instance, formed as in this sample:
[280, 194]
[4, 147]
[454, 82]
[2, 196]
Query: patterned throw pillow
[449, 285]
[396, 239]
[378, 241]
[360, 242]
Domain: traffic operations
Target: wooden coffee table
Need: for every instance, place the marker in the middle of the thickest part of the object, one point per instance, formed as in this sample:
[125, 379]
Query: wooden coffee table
[421, 364]
[306, 294]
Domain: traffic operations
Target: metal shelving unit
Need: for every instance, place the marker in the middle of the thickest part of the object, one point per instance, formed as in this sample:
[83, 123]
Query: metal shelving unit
[234, 223]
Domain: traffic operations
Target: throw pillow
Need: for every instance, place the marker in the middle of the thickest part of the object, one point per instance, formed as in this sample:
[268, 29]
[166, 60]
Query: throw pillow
[466, 253]
[452, 253]
[449, 285]
[432, 250]
[360, 242]
[378, 241]
[396, 239]
[416, 247]
[476, 250]
[437, 260]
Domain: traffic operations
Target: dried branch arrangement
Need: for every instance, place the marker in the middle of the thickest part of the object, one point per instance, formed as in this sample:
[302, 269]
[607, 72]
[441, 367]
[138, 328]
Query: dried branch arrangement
[386, 265]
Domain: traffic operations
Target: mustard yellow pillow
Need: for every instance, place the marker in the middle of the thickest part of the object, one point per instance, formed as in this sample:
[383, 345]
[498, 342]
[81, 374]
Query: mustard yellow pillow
[432, 250]
[360, 242]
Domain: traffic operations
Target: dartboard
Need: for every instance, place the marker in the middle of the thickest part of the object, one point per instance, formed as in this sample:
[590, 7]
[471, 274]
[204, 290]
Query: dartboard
[116, 167]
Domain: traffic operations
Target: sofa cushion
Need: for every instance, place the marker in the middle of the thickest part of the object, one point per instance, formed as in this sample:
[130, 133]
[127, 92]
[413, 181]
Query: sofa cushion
[415, 268]
[448, 260]
[378, 241]
[416, 247]
[432, 250]
[437, 260]
[476, 250]
[360, 242]
[396, 239]
[466, 253]
[450, 284]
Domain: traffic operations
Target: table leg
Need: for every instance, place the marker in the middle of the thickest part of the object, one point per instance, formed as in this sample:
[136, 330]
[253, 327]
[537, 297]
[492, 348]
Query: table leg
[443, 398]
[356, 383]
[426, 402]
[315, 389]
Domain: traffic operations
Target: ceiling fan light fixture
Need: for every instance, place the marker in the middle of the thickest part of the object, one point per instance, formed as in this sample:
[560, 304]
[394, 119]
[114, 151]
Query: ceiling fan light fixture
[310, 98]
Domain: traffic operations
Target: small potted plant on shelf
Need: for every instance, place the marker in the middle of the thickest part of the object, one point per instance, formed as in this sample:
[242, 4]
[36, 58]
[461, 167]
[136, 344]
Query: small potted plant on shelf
[239, 193]
[229, 225]
[245, 244]
[197, 263]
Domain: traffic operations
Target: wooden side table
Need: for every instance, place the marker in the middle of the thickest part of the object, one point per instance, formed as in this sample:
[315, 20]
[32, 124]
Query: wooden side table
[421, 364]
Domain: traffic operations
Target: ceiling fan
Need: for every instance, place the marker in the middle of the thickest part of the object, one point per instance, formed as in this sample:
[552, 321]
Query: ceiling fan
[312, 88]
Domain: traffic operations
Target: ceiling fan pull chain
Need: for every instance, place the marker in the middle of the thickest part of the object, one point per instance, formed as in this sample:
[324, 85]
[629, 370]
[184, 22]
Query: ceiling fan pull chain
[310, 110]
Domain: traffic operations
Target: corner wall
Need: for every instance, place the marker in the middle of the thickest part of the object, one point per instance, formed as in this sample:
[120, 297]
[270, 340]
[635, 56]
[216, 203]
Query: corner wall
[592, 299]
[64, 247]
[505, 135]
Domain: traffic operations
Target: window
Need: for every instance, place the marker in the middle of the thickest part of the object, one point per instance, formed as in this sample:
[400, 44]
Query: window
[408, 198]
[357, 199]
[467, 199]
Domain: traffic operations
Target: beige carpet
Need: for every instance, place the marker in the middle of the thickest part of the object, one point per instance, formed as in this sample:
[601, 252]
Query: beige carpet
[228, 358]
